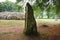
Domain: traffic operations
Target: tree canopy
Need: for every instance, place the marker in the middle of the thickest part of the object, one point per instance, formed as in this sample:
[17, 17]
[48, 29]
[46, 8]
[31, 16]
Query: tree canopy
[9, 6]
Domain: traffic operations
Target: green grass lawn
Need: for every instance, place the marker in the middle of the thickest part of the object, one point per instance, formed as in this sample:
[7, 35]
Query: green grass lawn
[19, 22]
[11, 22]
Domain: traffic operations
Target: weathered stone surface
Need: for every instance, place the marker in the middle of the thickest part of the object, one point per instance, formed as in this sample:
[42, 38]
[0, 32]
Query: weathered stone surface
[30, 23]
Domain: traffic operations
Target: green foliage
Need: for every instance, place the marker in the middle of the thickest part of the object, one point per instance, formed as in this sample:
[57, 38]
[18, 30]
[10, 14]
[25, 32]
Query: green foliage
[36, 10]
[9, 6]
[52, 7]
[18, 1]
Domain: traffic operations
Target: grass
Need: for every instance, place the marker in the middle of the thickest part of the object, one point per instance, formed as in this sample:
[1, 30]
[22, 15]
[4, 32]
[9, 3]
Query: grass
[14, 33]
[48, 20]
[19, 22]
[53, 26]
[11, 22]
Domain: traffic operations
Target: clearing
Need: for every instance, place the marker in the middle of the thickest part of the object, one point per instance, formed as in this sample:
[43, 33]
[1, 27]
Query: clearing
[49, 29]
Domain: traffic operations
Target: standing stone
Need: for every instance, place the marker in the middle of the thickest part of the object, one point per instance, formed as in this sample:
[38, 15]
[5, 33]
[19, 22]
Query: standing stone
[30, 23]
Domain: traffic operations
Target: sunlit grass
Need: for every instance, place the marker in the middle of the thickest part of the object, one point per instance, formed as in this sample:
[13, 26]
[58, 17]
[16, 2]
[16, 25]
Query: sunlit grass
[11, 22]
[50, 21]
[20, 22]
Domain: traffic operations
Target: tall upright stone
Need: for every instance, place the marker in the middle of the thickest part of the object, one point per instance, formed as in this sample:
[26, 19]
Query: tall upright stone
[30, 23]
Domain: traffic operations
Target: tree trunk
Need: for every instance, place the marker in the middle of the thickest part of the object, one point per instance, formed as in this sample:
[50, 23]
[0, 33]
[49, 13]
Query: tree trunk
[30, 23]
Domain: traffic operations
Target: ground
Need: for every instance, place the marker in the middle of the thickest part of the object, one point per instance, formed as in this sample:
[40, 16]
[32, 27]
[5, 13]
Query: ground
[48, 29]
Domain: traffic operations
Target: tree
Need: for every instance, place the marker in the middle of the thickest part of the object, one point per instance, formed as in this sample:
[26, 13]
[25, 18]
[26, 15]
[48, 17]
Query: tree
[30, 23]
[18, 1]
[48, 6]
[42, 4]
[36, 10]
[57, 8]
[9, 6]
